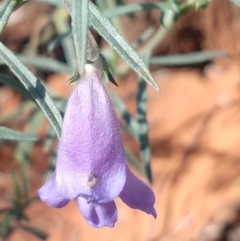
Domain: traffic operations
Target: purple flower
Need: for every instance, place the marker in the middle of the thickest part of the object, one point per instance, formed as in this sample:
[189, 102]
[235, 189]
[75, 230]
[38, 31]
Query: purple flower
[91, 164]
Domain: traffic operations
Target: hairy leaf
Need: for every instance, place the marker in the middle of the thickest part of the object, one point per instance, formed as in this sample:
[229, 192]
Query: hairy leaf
[9, 134]
[34, 87]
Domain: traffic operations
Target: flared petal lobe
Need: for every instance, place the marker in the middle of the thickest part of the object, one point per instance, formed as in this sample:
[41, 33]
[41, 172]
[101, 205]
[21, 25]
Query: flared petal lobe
[50, 194]
[98, 215]
[136, 194]
[91, 160]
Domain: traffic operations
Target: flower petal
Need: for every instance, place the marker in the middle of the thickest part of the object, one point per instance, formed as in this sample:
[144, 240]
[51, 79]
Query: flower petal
[136, 194]
[98, 215]
[49, 193]
[91, 159]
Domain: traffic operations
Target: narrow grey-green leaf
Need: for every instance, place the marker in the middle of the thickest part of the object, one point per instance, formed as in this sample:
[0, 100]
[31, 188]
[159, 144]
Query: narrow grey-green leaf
[16, 187]
[131, 123]
[111, 35]
[131, 8]
[23, 149]
[187, 59]
[237, 2]
[143, 37]
[45, 63]
[25, 179]
[202, 4]
[56, 3]
[80, 30]
[61, 22]
[120, 10]
[145, 151]
[92, 51]
[5, 11]
[6, 80]
[101, 4]
[9, 134]
[168, 17]
[34, 86]
[51, 134]
[67, 6]
[57, 41]
[5, 227]
[4, 6]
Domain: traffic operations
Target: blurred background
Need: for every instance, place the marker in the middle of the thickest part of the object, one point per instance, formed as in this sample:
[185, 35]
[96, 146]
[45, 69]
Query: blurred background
[194, 125]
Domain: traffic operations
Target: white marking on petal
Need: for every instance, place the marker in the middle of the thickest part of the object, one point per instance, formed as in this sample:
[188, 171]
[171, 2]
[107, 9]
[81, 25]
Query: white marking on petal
[92, 180]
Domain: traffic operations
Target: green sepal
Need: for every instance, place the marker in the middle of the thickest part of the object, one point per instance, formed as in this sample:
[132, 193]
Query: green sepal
[106, 73]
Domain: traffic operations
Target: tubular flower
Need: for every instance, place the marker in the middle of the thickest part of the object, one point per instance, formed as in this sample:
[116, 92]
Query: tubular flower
[91, 165]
